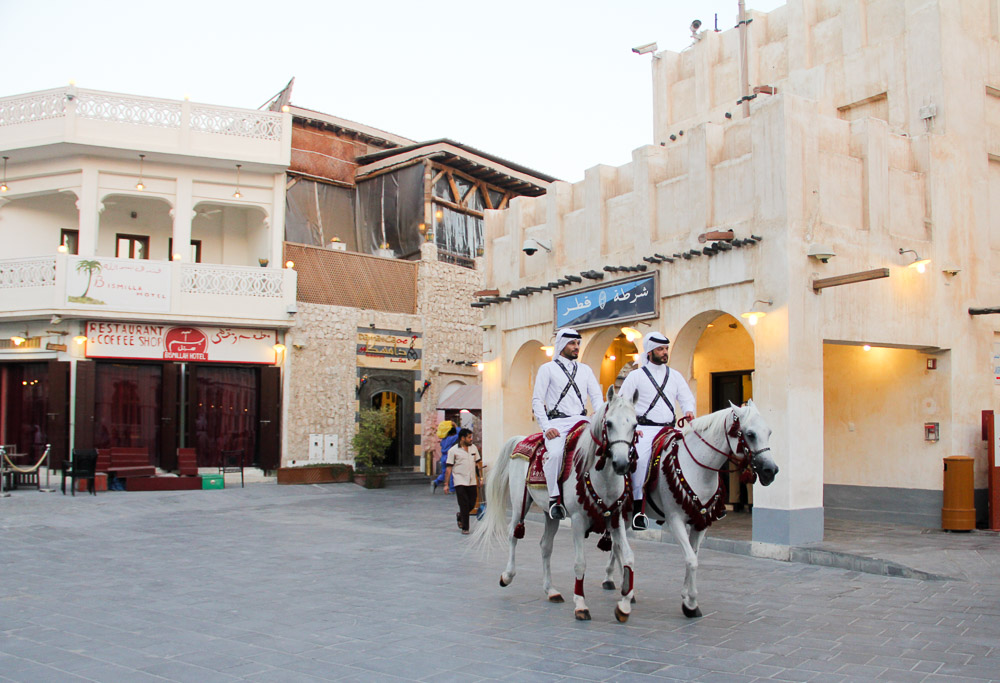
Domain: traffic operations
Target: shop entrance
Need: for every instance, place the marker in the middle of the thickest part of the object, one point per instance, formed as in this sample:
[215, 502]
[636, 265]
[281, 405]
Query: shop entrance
[222, 412]
[393, 390]
[33, 409]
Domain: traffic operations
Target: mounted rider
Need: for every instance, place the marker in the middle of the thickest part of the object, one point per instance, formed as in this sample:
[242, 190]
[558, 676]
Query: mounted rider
[558, 402]
[660, 394]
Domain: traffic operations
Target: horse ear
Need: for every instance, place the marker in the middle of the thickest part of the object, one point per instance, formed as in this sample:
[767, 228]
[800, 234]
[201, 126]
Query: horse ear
[611, 393]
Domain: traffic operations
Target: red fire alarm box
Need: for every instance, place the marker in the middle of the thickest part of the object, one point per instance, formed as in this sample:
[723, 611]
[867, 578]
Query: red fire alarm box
[932, 363]
[931, 431]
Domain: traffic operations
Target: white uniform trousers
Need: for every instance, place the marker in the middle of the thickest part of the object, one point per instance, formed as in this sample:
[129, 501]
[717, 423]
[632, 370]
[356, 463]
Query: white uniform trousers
[554, 451]
[644, 448]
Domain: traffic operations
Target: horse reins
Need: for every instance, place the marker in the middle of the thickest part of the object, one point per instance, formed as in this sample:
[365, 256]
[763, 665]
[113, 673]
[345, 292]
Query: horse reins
[742, 447]
[604, 448]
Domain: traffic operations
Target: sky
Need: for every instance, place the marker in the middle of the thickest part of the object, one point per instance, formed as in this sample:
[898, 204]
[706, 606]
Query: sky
[549, 84]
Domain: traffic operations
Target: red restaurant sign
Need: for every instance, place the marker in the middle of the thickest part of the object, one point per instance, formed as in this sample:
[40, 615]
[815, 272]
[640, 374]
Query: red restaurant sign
[180, 343]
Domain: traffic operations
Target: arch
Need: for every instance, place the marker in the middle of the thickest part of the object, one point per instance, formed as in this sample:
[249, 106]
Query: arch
[518, 385]
[213, 223]
[449, 389]
[390, 401]
[608, 341]
[135, 214]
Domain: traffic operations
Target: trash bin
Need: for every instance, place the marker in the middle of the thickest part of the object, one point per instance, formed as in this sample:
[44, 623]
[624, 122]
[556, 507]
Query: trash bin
[959, 510]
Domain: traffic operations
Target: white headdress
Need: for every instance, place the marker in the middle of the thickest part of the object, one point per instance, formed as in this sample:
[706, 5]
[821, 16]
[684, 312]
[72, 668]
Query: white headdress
[651, 341]
[563, 337]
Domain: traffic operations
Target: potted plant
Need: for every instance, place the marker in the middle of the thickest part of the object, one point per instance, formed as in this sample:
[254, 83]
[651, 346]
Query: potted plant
[370, 443]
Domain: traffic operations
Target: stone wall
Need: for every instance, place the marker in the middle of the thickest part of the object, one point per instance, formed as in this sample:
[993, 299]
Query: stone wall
[321, 367]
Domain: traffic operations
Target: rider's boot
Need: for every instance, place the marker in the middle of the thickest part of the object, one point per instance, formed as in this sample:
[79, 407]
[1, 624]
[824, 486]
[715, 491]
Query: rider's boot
[556, 510]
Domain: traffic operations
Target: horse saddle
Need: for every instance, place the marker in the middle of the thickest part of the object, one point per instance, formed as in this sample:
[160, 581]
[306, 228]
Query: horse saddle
[532, 449]
[665, 439]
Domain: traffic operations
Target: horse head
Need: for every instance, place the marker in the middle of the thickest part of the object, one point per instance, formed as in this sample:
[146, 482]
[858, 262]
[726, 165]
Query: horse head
[757, 435]
[619, 431]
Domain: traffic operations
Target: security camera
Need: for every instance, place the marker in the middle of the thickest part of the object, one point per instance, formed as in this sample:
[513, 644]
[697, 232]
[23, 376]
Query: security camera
[644, 49]
[487, 325]
[695, 25]
[821, 252]
[530, 246]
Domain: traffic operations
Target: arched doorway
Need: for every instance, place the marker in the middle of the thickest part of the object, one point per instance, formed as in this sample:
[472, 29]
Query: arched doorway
[137, 227]
[389, 402]
[611, 356]
[716, 354]
[517, 388]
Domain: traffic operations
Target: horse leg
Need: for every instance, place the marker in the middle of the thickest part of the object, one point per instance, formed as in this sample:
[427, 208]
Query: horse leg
[609, 573]
[508, 573]
[689, 602]
[626, 558]
[695, 537]
[580, 610]
[546, 543]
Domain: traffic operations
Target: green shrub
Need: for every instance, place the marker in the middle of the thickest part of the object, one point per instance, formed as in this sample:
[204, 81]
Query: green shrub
[372, 439]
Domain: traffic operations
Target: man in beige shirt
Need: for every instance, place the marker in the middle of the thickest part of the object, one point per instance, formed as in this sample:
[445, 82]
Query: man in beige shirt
[463, 462]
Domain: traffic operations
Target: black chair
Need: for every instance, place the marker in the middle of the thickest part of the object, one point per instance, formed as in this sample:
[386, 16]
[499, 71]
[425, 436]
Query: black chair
[83, 466]
[232, 461]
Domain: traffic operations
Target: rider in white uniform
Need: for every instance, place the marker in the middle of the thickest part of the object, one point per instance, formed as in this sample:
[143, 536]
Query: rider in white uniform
[661, 393]
[558, 402]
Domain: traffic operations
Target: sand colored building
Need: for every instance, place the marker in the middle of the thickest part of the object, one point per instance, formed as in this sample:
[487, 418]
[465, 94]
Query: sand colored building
[871, 141]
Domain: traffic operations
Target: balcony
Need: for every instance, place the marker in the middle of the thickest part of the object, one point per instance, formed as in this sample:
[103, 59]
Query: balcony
[43, 124]
[115, 288]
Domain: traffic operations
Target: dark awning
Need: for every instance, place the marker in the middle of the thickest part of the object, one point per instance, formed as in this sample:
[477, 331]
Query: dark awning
[469, 397]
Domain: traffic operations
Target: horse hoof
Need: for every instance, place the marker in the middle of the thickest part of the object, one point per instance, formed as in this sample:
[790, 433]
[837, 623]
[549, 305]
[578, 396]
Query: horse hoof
[633, 599]
[622, 617]
[690, 613]
[556, 597]
[503, 584]
[582, 615]
[608, 585]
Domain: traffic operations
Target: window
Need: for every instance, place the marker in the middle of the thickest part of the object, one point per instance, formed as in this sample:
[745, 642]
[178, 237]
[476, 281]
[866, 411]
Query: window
[71, 240]
[193, 257]
[132, 246]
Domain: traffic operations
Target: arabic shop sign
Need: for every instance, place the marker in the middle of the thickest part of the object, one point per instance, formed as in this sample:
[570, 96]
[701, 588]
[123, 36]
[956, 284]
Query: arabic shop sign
[389, 350]
[185, 343]
[118, 284]
[602, 305]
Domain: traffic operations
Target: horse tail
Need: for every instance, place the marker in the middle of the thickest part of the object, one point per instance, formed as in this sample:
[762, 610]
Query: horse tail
[492, 528]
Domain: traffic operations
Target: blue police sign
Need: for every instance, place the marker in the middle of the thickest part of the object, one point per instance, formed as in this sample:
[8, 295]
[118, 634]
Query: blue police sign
[608, 304]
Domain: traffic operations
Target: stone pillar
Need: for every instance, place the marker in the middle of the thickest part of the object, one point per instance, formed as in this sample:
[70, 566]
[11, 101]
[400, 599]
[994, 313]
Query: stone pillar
[89, 208]
[183, 214]
[788, 385]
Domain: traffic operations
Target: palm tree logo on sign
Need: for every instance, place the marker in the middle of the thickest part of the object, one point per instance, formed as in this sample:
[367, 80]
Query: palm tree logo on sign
[90, 267]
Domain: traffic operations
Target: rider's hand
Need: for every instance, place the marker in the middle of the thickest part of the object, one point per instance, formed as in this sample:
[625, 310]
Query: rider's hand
[551, 433]
[688, 416]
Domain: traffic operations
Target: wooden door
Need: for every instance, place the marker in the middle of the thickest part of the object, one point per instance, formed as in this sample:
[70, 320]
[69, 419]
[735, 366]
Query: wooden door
[85, 415]
[269, 454]
[169, 411]
[57, 413]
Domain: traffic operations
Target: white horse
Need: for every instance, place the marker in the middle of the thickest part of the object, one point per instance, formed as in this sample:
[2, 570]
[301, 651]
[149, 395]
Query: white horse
[594, 499]
[689, 490]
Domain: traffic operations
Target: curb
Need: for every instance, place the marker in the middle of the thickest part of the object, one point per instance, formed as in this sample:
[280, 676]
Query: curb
[801, 555]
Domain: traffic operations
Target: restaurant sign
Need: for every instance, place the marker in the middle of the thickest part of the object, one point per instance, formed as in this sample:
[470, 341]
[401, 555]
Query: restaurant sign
[185, 343]
[388, 349]
[617, 303]
[118, 284]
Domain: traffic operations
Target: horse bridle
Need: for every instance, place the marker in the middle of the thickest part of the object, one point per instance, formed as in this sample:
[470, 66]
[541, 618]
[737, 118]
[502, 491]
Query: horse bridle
[604, 447]
[745, 465]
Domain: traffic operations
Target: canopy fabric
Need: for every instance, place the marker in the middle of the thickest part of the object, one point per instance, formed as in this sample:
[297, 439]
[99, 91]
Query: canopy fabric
[469, 397]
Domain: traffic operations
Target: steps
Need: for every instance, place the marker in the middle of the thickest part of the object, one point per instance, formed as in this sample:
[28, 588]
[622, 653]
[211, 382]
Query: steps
[406, 477]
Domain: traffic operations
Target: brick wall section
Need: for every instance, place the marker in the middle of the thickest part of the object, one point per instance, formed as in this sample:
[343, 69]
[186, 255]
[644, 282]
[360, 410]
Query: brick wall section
[324, 154]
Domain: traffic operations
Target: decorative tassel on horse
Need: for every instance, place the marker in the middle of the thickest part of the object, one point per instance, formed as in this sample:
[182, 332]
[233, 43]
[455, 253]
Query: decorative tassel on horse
[519, 530]
[605, 542]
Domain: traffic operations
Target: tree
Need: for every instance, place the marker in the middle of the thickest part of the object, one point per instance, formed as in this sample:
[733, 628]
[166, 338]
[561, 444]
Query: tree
[372, 439]
[90, 267]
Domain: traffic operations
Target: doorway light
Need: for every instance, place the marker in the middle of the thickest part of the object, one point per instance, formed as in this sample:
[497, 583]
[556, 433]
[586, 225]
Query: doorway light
[549, 350]
[631, 334]
[755, 314]
[919, 264]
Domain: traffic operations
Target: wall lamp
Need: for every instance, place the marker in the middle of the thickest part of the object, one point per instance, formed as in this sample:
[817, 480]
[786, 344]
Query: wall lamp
[140, 185]
[3, 185]
[422, 389]
[17, 339]
[549, 350]
[753, 315]
[820, 252]
[919, 264]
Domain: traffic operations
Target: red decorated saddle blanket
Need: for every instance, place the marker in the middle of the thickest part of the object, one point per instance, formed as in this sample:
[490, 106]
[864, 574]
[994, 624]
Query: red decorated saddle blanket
[532, 449]
[663, 441]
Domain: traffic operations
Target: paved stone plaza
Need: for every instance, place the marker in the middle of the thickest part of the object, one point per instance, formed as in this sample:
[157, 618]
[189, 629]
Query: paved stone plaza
[304, 583]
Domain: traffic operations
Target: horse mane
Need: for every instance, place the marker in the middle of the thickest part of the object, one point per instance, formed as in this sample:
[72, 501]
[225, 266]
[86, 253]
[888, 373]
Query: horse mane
[586, 447]
[706, 423]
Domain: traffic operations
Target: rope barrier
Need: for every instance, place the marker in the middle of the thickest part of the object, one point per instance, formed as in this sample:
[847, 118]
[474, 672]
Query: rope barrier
[25, 470]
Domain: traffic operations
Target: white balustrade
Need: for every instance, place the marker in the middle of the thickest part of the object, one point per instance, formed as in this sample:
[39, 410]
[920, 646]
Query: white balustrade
[259, 125]
[232, 281]
[38, 106]
[32, 272]
[126, 109]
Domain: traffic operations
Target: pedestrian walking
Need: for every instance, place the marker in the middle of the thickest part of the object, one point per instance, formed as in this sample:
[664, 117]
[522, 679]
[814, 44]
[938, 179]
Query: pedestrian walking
[463, 463]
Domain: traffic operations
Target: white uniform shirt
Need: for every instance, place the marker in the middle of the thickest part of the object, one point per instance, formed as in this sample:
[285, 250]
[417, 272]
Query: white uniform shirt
[549, 385]
[676, 390]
